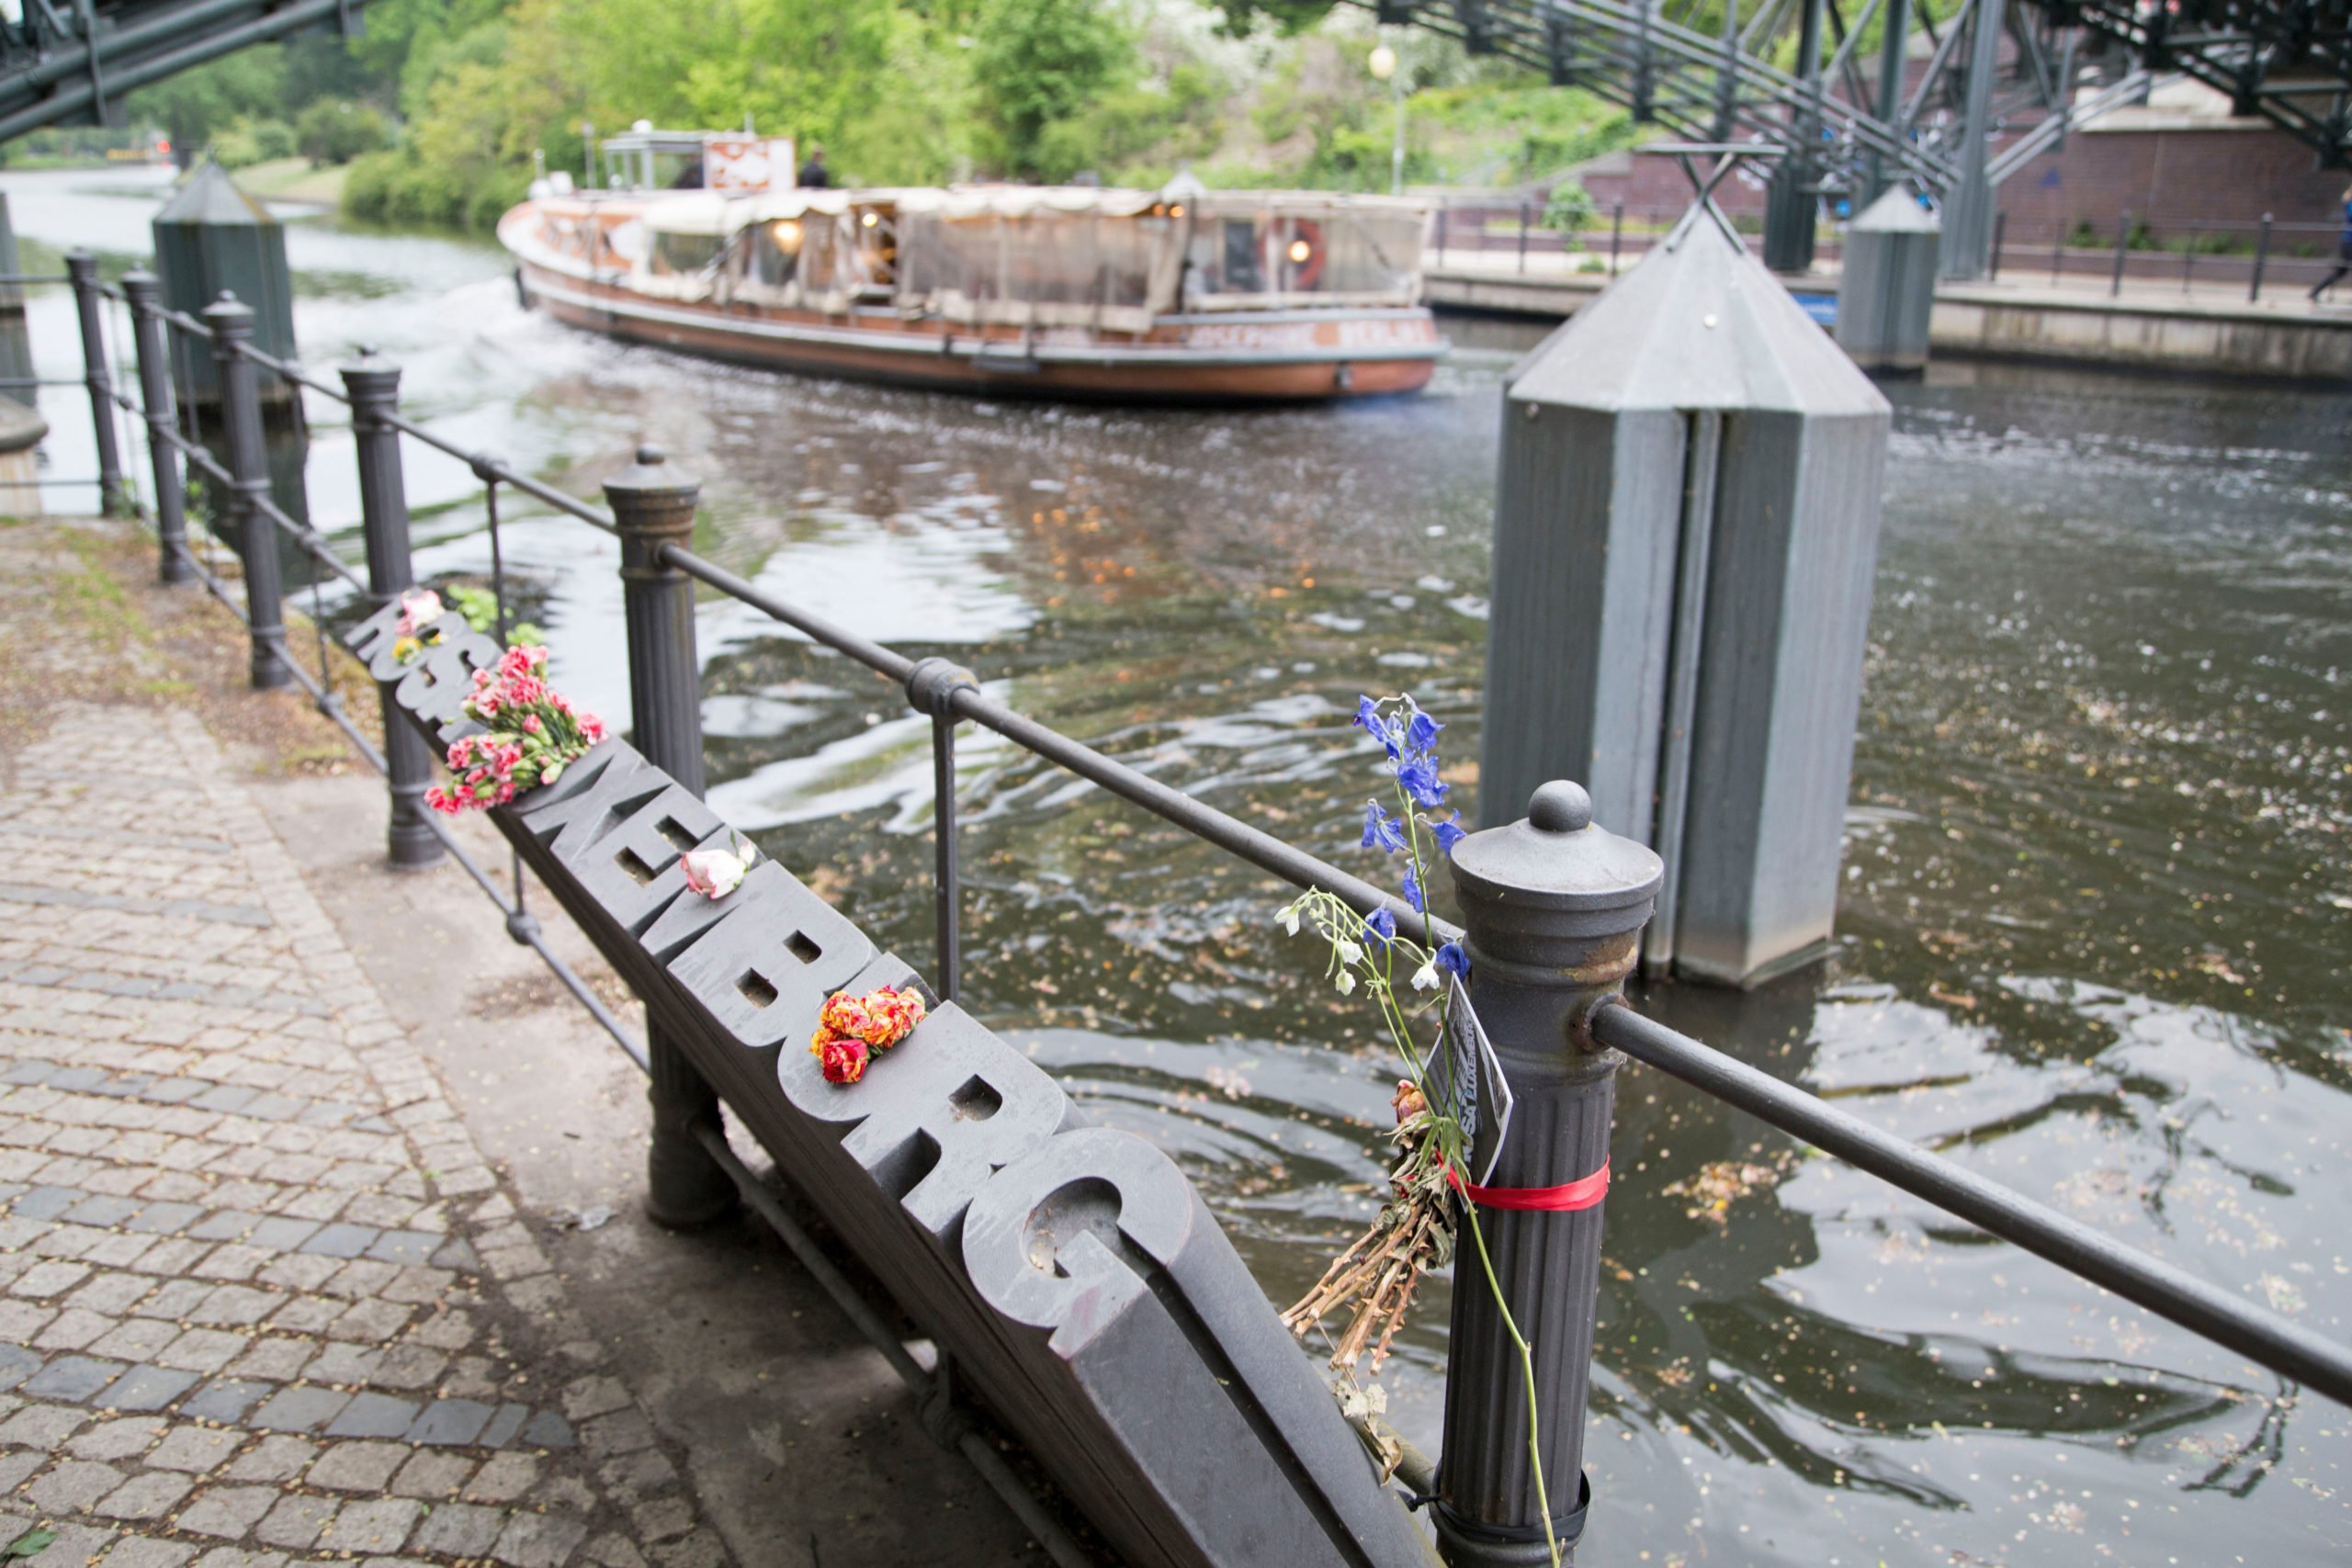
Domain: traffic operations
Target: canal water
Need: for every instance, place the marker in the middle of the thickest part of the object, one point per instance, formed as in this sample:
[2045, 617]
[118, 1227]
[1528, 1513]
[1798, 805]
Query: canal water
[2093, 943]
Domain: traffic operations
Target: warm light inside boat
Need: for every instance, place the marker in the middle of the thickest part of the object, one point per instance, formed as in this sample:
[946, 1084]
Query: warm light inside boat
[870, 219]
[786, 235]
[1300, 250]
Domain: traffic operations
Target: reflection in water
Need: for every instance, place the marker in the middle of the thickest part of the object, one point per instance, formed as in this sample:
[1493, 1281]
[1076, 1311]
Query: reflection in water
[2093, 943]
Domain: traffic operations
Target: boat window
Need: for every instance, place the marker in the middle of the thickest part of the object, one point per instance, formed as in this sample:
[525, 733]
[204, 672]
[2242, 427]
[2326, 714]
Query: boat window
[1043, 268]
[776, 253]
[684, 253]
[1330, 254]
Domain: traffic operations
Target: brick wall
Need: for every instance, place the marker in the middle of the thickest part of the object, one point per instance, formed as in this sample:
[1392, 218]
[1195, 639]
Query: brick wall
[2170, 179]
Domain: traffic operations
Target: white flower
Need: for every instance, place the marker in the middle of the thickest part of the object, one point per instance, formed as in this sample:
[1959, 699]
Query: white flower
[1425, 978]
[419, 607]
[1289, 917]
[1349, 953]
[1347, 981]
[716, 873]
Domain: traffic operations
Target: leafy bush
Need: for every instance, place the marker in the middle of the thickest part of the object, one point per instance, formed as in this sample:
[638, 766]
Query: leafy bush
[333, 131]
[248, 140]
[1570, 209]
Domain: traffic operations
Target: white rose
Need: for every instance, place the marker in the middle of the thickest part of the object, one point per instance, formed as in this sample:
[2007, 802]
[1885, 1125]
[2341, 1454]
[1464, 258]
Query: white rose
[714, 873]
[419, 607]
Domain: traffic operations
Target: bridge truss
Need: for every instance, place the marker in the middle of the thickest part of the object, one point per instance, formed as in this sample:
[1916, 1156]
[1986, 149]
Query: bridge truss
[2003, 82]
[72, 62]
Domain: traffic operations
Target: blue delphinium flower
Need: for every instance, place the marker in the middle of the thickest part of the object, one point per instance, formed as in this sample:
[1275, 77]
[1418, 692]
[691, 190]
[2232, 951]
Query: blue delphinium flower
[1449, 833]
[1367, 714]
[1419, 775]
[1381, 926]
[1413, 891]
[1381, 831]
[1452, 960]
[1421, 734]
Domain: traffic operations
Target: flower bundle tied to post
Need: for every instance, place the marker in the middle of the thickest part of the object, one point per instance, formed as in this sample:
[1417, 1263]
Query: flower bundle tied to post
[532, 734]
[1374, 1277]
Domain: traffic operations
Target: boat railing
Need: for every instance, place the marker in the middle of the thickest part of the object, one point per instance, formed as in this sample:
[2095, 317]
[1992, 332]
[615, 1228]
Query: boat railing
[1580, 976]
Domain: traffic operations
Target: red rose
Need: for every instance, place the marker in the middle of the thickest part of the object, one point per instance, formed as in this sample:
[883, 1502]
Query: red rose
[844, 1058]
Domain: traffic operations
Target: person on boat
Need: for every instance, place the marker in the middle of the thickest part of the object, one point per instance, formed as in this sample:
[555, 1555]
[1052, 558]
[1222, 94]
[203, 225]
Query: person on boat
[814, 175]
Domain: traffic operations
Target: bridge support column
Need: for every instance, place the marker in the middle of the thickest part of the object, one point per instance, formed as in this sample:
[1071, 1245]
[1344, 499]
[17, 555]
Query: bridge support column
[1553, 907]
[1793, 202]
[655, 506]
[1968, 211]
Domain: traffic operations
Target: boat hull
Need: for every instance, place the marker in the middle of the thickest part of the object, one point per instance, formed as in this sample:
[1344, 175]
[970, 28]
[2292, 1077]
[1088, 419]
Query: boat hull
[1280, 357]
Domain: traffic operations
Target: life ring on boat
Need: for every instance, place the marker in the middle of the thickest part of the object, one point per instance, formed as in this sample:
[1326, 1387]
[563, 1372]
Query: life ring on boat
[1307, 270]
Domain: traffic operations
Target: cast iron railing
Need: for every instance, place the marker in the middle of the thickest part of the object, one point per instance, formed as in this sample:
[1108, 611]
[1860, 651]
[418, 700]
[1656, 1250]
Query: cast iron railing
[1580, 977]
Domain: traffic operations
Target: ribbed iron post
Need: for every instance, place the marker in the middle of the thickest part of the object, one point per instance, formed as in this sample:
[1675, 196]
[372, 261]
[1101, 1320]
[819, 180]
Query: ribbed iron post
[2261, 256]
[145, 292]
[655, 506]
[257, 537]
[373, 385]
[82, 268]
[1554, 908]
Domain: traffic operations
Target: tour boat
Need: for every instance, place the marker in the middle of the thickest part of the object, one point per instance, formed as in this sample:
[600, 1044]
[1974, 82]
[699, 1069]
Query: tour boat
[1071, 291]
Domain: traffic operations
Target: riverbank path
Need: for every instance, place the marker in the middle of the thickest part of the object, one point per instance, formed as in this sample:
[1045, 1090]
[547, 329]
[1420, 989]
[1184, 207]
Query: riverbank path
[264, 1298]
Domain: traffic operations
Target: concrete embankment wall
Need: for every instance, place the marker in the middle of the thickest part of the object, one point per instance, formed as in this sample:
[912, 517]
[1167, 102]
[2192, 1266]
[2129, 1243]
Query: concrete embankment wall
[1991, 322]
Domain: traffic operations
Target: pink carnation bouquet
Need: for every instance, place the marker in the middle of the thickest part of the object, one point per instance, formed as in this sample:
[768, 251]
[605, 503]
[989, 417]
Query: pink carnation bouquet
[533, 734]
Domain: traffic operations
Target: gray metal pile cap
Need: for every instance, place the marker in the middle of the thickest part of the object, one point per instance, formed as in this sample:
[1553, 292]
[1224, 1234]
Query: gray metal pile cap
[1888, 297]
[1698, 666]
[212, 237]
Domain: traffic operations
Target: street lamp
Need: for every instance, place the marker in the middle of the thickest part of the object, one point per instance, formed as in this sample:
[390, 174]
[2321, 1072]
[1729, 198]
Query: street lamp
[1383, 65]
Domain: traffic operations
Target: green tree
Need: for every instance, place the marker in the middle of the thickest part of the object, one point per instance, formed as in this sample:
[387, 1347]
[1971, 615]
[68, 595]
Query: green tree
[335, 132]
[1037, 61]
[199, 103]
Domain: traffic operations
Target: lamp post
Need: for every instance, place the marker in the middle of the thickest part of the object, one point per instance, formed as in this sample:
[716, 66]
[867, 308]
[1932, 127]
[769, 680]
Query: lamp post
[1383, 65]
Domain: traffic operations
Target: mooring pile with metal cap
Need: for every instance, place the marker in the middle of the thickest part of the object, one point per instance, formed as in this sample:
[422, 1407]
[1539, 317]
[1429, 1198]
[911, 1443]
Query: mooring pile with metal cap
[212, 239]
[1888, 298]
[1686, 526]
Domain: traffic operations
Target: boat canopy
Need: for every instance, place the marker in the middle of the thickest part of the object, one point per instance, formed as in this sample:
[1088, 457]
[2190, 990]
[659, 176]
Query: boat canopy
[1029, 255]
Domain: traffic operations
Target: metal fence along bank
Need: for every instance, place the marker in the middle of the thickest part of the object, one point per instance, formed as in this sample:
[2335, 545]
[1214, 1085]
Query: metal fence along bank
[1082, 1298]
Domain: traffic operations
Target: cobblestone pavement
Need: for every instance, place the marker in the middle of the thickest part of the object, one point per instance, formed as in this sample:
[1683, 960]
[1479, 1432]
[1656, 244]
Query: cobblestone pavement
[262, 1300]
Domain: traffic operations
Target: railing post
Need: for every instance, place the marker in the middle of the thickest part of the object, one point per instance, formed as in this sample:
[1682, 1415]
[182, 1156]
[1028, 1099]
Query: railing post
[1616, 235]
[82, 268]
[1554, 908]
[373, 386]
[2261, 257]
[932, 686]
[149, 333]
[1522, 237]
[2000, 238]
[655, 506]
[2122, 248]
[256, 537]
[1440, 232]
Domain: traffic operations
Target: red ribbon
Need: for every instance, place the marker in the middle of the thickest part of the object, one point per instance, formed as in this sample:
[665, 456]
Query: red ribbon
[1581, 1193]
